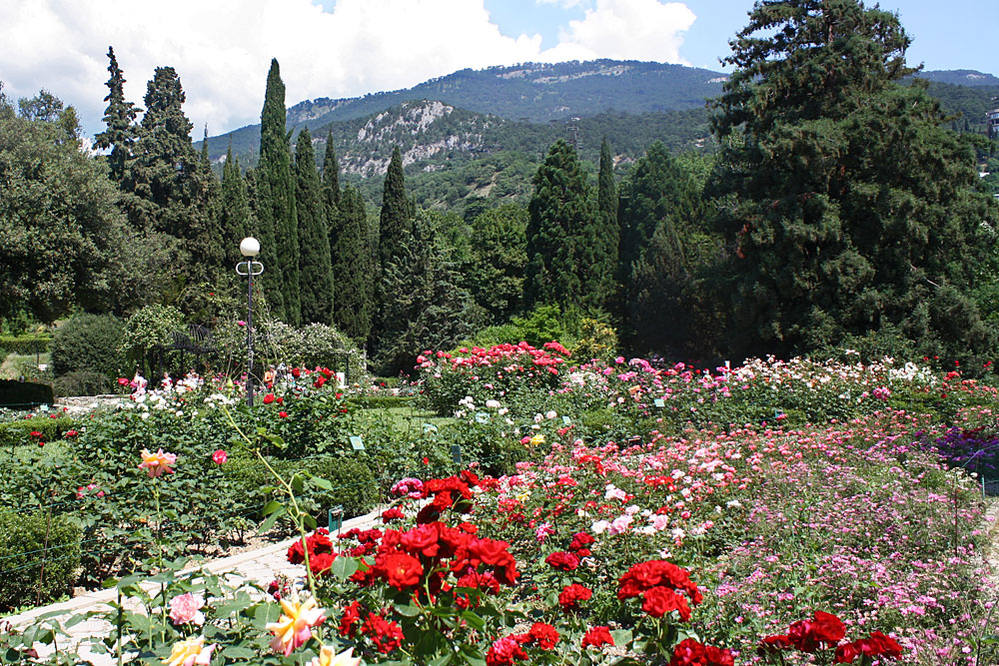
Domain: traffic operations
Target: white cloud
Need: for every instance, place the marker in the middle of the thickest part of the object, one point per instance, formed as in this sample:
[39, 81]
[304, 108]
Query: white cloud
[626, 30]
[222, 48]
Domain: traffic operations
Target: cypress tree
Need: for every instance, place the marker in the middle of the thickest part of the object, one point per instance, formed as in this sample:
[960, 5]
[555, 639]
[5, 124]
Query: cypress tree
[316, 276]
[119, 117]
[278, 194]
[331, 176]
[561, 210]
[258, 192]
[396, 219]
[236, 218]
[354, 265]
[606, 236]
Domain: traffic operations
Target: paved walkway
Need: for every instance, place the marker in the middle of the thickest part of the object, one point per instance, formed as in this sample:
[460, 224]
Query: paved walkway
[259, 566]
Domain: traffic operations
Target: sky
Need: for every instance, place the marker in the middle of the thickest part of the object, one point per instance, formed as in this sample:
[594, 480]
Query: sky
[343, 48]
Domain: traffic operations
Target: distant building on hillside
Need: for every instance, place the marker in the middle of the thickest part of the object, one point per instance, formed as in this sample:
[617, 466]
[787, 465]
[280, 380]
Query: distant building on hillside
[992, 121]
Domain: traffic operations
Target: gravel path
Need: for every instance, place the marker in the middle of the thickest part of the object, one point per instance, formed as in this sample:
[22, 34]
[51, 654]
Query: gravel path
[261, 566]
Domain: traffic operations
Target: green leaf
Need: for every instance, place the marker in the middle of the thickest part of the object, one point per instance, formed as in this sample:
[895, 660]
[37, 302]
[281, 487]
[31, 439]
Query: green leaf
[344, 567]
[408, 610]
[321, 483]
[238, 653]
[621, 636]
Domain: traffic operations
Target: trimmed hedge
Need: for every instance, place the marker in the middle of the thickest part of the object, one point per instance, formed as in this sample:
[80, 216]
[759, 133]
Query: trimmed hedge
[16, 433]
[25, 344]
[24, 394]
[41, 558]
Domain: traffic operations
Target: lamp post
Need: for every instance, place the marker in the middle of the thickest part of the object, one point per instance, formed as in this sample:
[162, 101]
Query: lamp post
[249, 247]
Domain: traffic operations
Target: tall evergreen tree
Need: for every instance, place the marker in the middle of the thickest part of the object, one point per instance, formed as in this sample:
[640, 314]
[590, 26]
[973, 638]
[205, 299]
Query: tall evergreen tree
[499, 247]
[235, 215]
[277, 191]
[854, 209]
[121, 133]
[316, 273]
[331, 176]
[430, 308]
[166, 188]
[268, 284]
[396, 219]
[354, 264]
[561, 211]
[606, 233]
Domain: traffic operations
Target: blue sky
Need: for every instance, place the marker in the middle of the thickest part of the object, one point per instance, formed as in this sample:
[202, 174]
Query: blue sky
[345, 48]
[958, 34]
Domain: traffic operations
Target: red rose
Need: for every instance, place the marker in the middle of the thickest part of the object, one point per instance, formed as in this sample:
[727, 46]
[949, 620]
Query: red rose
[773, 644]
[421, 540]
[598, 636]
[400, 570]
[351, 618]
[661, 600]
[504, 651]
[386, 635]
[810, 635]
[562, 561]
[570, 597]
[545, 635]
[392, 514]
[692, 653]
[296, 372]
[269, 398]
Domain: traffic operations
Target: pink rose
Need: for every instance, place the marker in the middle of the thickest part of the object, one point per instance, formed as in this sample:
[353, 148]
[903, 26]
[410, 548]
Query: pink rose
[186, 608]
[220, 456]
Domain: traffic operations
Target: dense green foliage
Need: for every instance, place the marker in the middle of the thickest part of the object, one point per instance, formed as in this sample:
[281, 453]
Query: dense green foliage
[91, 343]
[850, 206]
[278, 200]
[560, 233]
[42, 556]
[63, 241]
[316, 272]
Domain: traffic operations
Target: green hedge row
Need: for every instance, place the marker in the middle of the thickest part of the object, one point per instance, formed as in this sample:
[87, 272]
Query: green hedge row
[24, 394]
[25, 344]
[16, 433]
[40, 561]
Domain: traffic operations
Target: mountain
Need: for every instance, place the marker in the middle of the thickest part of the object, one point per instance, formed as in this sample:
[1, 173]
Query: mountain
[482, 133]
[532, 92]
[961, 77]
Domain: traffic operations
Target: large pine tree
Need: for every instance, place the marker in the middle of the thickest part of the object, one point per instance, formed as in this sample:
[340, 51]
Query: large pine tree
[167, 188]
[562, 215]
[316, 276]
[854, 209]
[277, 191]
[121, 132]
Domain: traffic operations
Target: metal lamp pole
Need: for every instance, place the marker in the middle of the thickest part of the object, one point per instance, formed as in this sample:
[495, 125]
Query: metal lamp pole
[249, 248]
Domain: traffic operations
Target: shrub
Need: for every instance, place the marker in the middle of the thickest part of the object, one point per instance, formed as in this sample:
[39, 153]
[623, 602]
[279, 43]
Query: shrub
[88, 343]
[41, 558]
[83, 382]
[25, 344]
[148, 328]
[15, 433]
